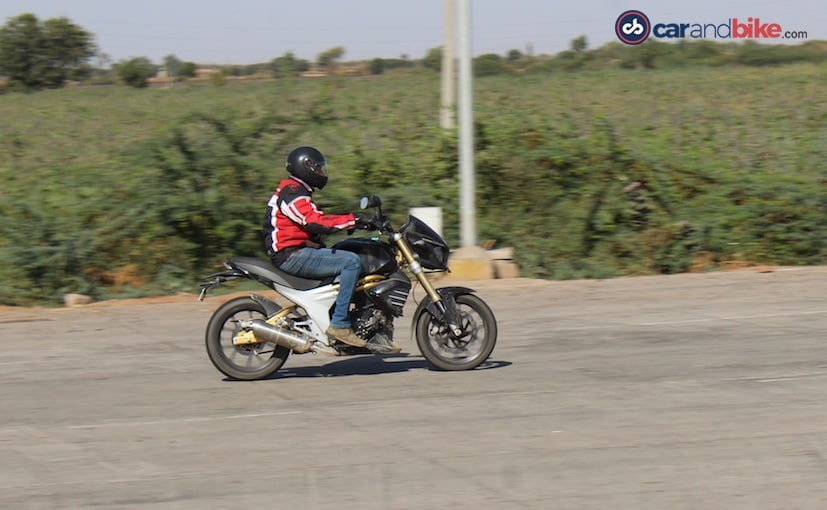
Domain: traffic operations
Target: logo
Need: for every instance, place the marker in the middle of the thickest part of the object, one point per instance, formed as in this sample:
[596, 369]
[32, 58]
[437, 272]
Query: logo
[633, 27]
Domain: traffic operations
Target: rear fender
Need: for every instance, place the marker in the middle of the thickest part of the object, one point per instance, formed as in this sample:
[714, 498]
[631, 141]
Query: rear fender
[270, 307]
[217, 279]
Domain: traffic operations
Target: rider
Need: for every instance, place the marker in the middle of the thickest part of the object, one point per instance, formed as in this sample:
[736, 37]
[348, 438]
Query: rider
[293, 227]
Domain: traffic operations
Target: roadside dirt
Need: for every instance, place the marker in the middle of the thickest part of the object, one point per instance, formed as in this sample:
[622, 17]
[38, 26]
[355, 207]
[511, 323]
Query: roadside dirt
[441, 281]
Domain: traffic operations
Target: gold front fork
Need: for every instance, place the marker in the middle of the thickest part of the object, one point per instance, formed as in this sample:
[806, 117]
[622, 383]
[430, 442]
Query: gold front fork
[416, 268]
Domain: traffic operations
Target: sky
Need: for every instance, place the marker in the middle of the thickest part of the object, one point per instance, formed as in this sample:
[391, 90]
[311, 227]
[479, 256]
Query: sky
[255, 31]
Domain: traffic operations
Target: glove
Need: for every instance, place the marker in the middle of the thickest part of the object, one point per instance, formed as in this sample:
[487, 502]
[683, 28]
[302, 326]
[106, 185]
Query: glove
[384, 225]
[367, 221]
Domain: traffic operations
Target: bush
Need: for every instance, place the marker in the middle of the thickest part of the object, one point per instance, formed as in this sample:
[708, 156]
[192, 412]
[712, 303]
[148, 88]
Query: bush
[136, 72]
[489, 64]
[597, 173]
[377, 66]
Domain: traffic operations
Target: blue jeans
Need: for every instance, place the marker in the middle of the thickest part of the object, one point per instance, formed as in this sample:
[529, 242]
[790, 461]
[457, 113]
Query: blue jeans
[322, 263]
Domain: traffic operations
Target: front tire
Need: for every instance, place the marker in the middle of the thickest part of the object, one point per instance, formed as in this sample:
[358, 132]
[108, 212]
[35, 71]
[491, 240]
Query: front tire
[469, 350]
[243, 362]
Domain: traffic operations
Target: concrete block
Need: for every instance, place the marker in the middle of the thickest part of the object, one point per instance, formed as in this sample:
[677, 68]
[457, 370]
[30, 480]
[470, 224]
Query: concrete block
[76, 299]
[505, 269]
[501, 253]
[471, 263]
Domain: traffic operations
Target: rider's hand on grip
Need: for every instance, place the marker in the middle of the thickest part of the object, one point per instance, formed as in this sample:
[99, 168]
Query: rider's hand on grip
[366, 221]
[384, 225]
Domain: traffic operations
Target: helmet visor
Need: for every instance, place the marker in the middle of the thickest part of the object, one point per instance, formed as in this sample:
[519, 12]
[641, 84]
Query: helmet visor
[317, 167]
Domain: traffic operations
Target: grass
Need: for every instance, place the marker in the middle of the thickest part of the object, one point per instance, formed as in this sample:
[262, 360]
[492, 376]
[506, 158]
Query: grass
[729, 164]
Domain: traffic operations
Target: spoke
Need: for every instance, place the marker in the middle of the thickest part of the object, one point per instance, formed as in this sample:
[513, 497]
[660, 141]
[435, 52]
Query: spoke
[271, 351]
[455, 348]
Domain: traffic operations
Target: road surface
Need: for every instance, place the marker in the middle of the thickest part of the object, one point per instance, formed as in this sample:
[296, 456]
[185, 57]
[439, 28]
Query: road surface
[696, 391]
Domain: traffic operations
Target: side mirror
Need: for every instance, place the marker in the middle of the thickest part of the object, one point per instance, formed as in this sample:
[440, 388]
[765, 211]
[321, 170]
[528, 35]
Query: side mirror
[370, 201]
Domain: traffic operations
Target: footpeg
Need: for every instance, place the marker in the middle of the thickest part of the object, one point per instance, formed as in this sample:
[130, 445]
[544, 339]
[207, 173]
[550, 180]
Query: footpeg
[320, 348]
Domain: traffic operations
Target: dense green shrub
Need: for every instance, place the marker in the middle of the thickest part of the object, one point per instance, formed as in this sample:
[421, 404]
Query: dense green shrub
[136, 72]
[114, 192]
[489, 64]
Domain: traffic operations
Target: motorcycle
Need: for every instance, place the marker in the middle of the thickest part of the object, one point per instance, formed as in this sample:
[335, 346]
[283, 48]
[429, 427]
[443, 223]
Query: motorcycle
[250, 337]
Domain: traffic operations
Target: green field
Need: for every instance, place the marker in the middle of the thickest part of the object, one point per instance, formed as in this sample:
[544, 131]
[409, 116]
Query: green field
[115, 191]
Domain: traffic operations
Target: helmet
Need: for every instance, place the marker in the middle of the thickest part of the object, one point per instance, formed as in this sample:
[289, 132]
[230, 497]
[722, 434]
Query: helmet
[308, 164]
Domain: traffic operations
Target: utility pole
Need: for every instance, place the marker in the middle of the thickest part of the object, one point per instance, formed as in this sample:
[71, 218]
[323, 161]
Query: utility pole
[468, 226]
[446, 112]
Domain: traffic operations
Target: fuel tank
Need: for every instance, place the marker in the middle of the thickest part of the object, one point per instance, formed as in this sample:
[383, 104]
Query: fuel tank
[376, 257]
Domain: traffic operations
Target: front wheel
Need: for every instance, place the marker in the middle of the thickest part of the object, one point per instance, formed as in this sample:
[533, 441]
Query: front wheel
[468, 350]
[244, 362]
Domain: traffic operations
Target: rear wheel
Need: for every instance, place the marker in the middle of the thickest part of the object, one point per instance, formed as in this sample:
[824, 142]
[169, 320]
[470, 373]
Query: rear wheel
[244, 362]
[466, 351]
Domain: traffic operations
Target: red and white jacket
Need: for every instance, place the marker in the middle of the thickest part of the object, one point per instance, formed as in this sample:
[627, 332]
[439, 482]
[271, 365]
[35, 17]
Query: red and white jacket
[293, 220]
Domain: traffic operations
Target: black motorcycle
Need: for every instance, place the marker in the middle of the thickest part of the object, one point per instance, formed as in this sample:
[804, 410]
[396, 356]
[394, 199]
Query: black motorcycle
[251, 337]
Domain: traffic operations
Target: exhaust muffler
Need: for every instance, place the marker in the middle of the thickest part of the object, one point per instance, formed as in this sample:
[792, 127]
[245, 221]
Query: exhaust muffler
[284, 337]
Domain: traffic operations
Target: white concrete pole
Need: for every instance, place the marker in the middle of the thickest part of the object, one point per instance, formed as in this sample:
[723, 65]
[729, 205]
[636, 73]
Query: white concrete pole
[468, 226]
[446, 112]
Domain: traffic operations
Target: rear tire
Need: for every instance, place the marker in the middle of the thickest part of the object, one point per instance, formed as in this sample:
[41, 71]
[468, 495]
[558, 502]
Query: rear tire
[469, 350]
[243, 362]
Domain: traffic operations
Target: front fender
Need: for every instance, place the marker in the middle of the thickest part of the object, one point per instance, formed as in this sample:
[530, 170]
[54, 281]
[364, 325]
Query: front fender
[447, 294]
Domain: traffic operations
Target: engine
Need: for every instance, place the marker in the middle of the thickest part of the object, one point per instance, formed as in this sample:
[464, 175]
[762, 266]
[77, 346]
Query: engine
[390, 295]
[376, 308]
[371, 321]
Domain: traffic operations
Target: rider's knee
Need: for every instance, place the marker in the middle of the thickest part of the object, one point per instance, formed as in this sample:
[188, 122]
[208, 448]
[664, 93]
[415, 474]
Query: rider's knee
[352, 261]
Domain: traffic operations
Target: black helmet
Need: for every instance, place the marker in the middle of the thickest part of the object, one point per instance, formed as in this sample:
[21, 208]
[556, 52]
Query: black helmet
[308, 164]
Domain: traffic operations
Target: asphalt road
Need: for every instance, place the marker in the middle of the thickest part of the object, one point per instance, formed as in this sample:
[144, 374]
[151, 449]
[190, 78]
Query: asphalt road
[701, 391]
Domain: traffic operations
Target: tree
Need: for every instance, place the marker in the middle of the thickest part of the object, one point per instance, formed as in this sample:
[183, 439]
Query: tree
[433, 60]
[135, 72]
[327, 59]
[35, 55]
[288, 65]
[489, 64]
[188, 70]
[377, 66]
[172, 66]
[104, 59]
[579, 44]
[515, 55]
